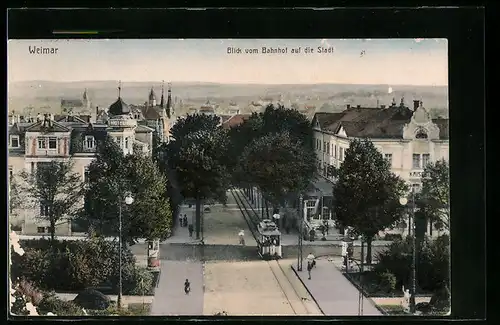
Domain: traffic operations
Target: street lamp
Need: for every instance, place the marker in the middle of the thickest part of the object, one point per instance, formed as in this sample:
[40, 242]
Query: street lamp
[301, 221]
[404, 201]
[128, 200]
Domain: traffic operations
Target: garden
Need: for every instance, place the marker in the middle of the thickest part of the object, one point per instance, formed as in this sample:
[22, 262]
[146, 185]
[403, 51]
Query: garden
[393, 271]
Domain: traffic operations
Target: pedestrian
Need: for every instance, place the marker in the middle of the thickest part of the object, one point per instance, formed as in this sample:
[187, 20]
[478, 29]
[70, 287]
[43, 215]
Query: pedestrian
[185, 219]
[311, 259]
[327, 226]
[241, 236]
[190, 229]
[187, 286]
[309, 268]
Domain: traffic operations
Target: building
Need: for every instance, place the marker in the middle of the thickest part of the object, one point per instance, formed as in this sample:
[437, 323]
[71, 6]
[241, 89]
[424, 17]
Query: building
[407, 137]
[83, 105]
[49, 139]
[230, 121]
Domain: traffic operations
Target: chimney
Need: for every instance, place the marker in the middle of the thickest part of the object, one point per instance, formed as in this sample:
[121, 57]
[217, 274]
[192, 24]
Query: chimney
[348, 106]
[416, 104]
[382, 106]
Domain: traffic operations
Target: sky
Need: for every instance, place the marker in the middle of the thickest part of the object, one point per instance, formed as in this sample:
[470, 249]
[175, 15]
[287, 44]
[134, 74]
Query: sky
[369, 61]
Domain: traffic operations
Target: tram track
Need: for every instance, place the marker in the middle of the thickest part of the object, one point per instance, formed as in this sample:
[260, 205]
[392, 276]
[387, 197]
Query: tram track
[251, 223]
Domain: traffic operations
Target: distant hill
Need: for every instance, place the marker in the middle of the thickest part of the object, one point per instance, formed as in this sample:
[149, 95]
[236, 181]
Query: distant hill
[46, 94]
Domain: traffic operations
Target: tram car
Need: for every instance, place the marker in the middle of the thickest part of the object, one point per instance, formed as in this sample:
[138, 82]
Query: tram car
[269, 243]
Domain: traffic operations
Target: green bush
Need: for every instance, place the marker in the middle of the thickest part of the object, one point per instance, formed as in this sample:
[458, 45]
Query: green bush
[76, 264]
[51, 303]
[92, 299]
[432, 262]
[387, 282]
[142, 282]
[392, 237]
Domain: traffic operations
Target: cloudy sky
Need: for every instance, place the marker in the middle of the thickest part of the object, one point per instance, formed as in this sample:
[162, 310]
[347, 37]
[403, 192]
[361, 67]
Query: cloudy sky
[392, 62]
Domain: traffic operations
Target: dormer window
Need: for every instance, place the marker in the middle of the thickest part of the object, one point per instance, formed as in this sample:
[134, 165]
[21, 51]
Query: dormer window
[421, 134]
[89, 142]
[14, 141]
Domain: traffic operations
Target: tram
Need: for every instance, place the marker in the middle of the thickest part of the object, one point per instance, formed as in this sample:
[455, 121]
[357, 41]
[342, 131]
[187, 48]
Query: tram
[269, 243]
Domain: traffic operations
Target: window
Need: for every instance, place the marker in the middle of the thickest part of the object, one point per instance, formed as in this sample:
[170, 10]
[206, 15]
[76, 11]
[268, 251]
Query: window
[425, 159]
[119, 141]
[388, 157]
[32, 167]
[52, 143]
[328, 148]
[44, 209]
[89, 142]
[42, 144]
[416, 187]
[126, 143]
[11, 172]
[310, 203]
[341, 154]
[14, 141]
[324, 146]
[335, 152]
[421, 134]
[40, 230]
[416, 161]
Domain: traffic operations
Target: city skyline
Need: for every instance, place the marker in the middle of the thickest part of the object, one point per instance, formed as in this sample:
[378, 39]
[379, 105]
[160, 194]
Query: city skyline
[418, 62]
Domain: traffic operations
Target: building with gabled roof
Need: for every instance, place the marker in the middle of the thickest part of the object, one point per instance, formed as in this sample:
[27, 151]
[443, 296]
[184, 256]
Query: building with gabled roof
[61, 137]
[407, 137]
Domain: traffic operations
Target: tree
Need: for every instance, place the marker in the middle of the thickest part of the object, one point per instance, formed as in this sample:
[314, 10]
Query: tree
[111, 175]
[278, 165]
[274, 120]
[15, 197]
[367, 192]
[434, 199]
[196, 154]
[280, 119]
[55, 188]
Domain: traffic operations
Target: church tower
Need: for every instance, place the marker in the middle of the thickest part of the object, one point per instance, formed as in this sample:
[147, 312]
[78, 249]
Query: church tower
[86, 100]
[152, 98]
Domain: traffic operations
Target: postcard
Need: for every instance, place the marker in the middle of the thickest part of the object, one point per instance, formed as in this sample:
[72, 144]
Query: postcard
[229, 177]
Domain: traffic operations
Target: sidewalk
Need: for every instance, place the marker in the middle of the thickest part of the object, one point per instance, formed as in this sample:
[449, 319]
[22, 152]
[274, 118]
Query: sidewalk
[333, 293]
[170, 298]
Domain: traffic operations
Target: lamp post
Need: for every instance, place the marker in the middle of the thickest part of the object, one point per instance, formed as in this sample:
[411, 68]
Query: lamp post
[301, 223]
[404, 201]
[128, 200]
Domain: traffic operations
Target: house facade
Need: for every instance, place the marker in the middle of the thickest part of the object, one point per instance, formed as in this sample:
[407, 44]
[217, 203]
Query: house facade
[407, 137]
[48, 138]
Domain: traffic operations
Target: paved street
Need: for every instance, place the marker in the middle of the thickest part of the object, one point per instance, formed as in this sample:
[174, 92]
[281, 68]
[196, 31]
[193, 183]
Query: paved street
[243, 288]
[170, 298]
[335, 295]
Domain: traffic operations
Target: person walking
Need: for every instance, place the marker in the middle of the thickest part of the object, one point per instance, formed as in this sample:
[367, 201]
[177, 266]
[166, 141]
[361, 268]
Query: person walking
[311, 262]
[241, 236]
[185, 220]
[190, 229]
[187, 287]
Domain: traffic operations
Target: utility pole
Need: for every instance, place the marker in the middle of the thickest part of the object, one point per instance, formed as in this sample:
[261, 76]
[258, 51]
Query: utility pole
[361, 270]
[414, 257]
[301, 223]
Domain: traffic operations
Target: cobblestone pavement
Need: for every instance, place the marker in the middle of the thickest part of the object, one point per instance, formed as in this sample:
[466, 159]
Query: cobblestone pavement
[170, 298]
[243, 288]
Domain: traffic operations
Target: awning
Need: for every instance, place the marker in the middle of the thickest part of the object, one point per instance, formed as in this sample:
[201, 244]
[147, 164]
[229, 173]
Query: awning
[320, 187]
